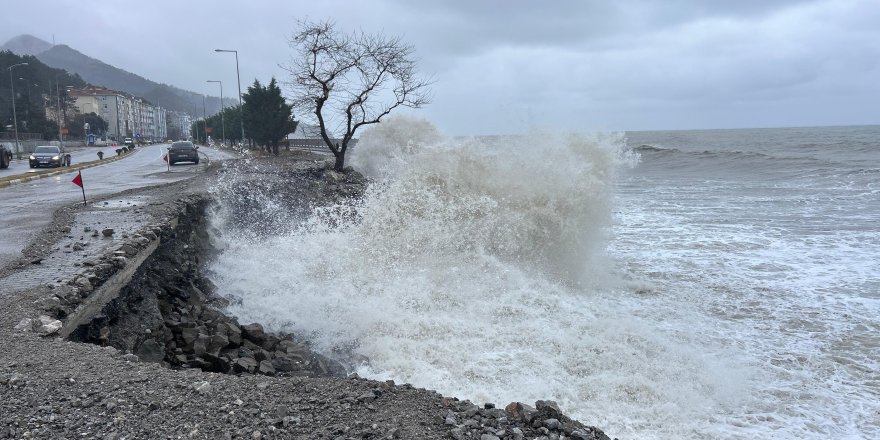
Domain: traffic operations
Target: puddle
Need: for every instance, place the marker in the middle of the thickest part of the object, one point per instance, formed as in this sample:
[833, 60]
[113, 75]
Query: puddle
[122, 203]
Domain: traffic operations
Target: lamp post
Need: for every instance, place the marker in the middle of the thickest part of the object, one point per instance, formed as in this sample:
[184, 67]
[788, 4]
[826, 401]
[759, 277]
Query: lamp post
[238, 77]
[222, 110]
[60, 118]
[14, 116]
[28, 108]
[205, 119]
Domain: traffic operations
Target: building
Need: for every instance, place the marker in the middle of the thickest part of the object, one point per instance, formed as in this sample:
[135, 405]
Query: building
[126, 115]
[179, 125]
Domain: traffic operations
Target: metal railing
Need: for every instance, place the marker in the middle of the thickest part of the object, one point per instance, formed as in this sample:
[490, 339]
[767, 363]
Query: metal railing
[315, 145]
[10, 136]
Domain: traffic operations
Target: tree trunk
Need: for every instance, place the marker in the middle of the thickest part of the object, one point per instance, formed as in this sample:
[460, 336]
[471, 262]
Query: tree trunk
[340, 162]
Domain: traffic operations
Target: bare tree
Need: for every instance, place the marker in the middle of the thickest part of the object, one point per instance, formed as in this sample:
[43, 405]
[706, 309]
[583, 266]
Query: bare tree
[348, 81]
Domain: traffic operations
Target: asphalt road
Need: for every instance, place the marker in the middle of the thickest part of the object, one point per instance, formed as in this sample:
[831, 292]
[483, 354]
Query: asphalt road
[26, 208]
[77, 155]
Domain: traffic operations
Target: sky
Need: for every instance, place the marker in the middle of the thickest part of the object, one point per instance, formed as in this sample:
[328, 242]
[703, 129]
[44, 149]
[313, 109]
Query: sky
[510, 66]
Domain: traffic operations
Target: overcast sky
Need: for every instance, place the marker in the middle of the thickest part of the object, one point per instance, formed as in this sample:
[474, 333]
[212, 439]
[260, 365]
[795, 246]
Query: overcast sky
[505, 66]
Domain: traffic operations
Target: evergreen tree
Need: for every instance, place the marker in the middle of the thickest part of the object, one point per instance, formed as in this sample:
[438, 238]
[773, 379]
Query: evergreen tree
[267, 117]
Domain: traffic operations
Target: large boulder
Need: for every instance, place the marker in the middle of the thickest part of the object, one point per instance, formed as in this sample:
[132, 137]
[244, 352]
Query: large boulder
[254, 333]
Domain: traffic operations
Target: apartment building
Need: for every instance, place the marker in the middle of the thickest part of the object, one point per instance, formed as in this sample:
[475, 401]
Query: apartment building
[126, 115]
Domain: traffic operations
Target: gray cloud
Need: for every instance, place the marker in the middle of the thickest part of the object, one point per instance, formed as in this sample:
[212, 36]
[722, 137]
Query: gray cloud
[502, 66]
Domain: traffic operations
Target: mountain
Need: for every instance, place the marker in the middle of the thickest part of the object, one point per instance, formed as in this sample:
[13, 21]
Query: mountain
[36, 86]
[26, 45]
[99, 73]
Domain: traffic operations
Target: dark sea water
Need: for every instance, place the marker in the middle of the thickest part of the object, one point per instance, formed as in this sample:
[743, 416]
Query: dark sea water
[683, 284]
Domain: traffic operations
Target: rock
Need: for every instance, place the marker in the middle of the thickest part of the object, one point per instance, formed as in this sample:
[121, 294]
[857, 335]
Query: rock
[218, 341]
[244, 365]
[131, 357]
[129, 250]
[233, 334]
[552, 424]
[151, 351]
[189, 336]
[200, 346]
[521, 411]
[108, 232]
[202, 387]
[47, 326]
[50, 304]
[25, 325]
[266, 368]
[270, 343]
[287, 346]
[254, 333]
[550, 408]
[286, 364]
[83, 284]
[367, 397]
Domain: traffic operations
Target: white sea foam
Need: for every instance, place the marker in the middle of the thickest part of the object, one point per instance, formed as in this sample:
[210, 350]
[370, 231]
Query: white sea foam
[478, 269]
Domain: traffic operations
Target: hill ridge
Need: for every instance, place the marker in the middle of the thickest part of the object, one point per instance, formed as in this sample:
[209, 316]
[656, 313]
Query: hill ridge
[99, 73]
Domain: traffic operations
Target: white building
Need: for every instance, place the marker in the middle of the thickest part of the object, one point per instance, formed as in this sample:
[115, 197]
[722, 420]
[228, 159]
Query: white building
[126, 116]
[179, 125]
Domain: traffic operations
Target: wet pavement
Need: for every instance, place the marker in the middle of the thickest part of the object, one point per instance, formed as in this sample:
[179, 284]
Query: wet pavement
[77, 155]
[26, 208]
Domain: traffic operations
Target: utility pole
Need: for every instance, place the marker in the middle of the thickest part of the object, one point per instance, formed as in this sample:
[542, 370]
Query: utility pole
[116, 95]
[14, 116]
[222, 110]
[240, 105]
[205, 119]
[58, 111]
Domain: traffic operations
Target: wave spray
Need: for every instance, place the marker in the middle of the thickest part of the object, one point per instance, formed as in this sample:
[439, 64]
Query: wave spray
[473, 269]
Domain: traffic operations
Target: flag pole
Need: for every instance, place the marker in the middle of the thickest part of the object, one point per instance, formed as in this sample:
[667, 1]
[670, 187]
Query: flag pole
[83, 188]
[78, 181]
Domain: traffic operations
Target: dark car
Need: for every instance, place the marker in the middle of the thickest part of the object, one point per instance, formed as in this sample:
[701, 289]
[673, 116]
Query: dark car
[183, 152]
[5, 157]
[49, 156]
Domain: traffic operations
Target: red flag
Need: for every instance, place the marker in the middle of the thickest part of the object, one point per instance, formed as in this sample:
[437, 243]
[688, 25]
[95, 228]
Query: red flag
[165, 157]
[78, 180]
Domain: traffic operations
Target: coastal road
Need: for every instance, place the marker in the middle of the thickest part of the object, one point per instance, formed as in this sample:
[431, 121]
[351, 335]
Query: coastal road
[77, 155]
[26, 208]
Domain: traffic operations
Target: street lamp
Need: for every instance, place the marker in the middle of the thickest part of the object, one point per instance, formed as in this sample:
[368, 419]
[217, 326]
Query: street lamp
[205, 118]
[60, 118]
[28, 108]
[238, 77]
[14, 116]
[222, 110]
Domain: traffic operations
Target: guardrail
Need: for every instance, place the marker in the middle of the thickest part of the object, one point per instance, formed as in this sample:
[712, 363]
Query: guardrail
[10, 136]
[316, 144]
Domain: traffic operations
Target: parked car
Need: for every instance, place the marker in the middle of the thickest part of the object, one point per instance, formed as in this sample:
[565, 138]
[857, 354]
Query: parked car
[5, 157]
[49, 156]
[128, 142]
[183, 152]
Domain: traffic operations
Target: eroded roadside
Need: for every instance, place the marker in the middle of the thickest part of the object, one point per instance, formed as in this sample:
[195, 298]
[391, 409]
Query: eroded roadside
[165, 361]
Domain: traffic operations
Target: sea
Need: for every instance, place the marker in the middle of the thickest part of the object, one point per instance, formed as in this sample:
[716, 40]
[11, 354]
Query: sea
[699, 284]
